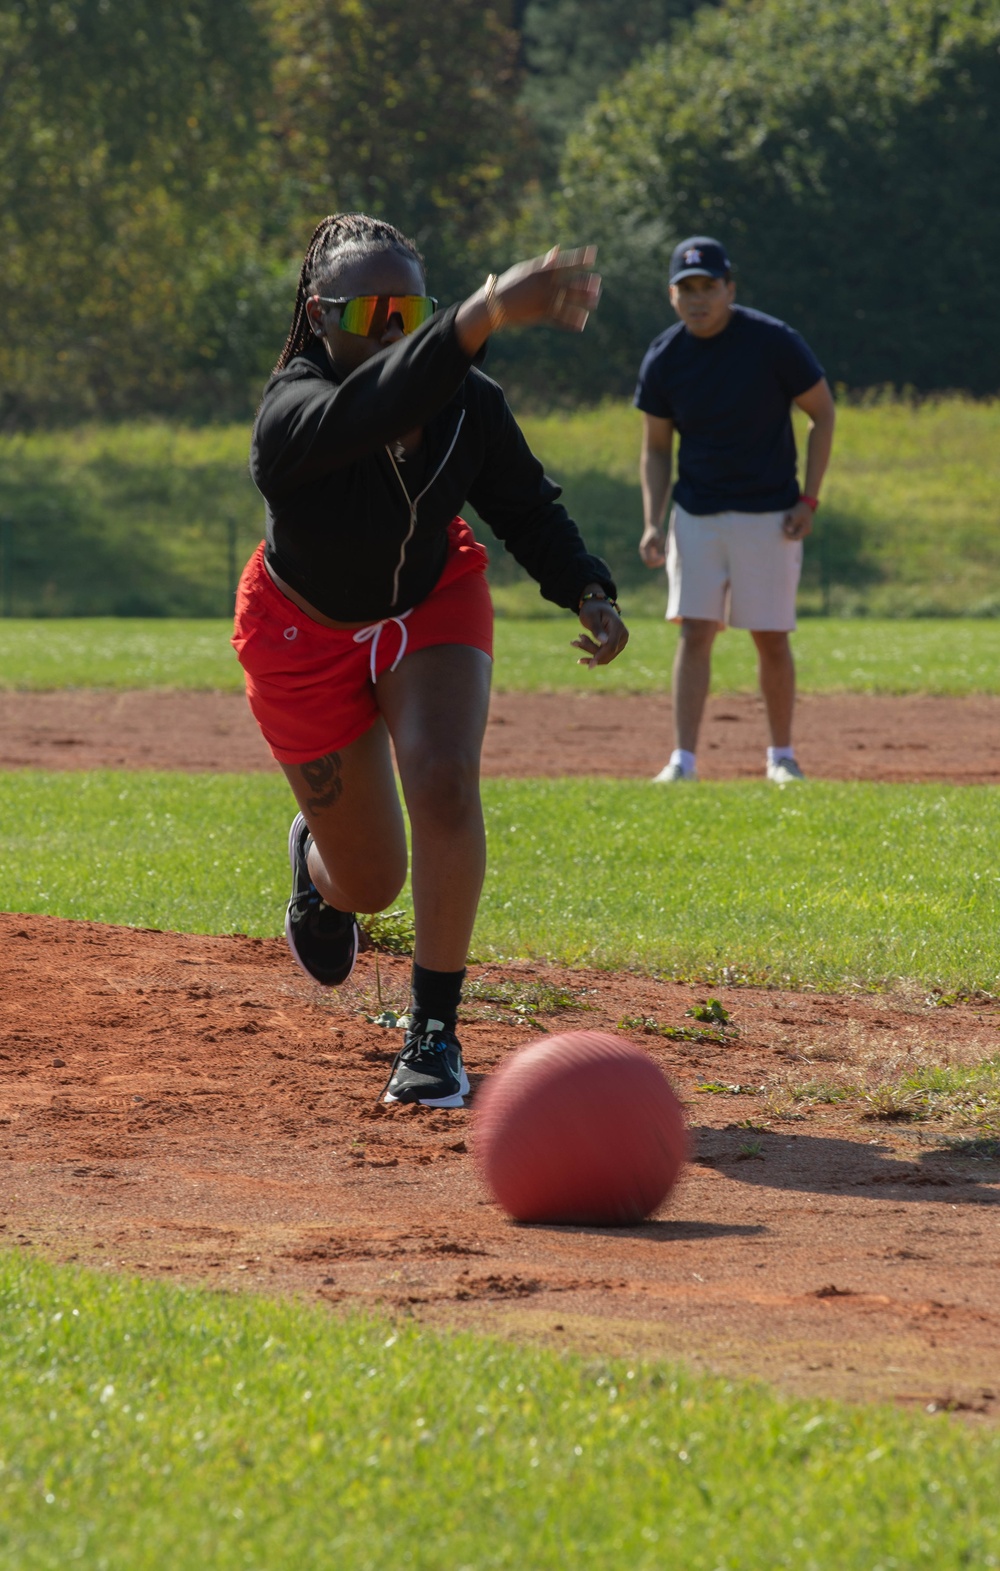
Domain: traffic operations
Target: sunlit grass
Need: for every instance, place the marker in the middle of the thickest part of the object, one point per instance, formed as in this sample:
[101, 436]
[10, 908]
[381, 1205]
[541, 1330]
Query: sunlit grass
[146, 1426]
[830, 886]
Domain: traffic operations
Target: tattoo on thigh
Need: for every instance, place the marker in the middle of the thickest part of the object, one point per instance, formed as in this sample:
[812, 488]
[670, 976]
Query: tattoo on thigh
[323, 778]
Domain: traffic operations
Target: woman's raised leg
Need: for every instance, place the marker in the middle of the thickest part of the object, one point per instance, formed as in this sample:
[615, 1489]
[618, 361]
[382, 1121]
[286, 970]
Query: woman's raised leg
[349, 801]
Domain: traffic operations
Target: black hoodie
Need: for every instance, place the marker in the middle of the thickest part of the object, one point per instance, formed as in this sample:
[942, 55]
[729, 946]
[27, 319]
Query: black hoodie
[341, 528]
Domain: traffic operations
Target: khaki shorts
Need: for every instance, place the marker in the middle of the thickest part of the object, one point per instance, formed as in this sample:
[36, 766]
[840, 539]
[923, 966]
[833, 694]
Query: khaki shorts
[736, 569]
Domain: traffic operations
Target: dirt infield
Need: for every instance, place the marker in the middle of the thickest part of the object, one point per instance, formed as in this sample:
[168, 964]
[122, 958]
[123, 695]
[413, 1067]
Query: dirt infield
[194, 1108]
[839, 737]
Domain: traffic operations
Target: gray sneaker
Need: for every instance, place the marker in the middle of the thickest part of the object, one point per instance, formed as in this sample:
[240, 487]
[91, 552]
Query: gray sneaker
[784, 772]
[429, 1069]
[671, 772]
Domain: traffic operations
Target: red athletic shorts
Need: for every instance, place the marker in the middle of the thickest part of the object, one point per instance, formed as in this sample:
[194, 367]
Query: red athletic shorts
[312, 688]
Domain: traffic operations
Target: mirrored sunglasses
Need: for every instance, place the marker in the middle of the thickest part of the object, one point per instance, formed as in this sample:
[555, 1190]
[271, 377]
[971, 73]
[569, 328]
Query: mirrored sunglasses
[369, 315]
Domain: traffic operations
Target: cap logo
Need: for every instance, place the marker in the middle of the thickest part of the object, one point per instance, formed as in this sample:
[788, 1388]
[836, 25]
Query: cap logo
[691, 256]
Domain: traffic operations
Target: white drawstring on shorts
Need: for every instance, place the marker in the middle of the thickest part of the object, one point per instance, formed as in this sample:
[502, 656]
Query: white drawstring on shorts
[374, 633]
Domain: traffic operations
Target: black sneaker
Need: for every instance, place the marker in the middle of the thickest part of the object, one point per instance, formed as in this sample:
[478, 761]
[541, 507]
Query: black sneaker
[323, 940]
[429, 1069]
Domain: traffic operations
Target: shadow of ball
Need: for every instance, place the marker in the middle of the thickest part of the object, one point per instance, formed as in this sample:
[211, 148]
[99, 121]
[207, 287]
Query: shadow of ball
[579, 1128]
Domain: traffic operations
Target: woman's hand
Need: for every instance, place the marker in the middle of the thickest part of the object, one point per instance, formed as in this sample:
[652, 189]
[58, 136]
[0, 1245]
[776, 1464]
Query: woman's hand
[605, 634]
[560, 288]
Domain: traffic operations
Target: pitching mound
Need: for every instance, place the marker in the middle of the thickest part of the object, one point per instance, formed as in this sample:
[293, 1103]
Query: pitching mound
[192, 1107]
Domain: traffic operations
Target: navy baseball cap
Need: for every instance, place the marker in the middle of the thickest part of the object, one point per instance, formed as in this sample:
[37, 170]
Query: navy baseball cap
[699, 255]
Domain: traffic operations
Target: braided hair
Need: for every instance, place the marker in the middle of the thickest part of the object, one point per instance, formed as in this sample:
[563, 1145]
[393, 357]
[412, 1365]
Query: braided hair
[337, 237]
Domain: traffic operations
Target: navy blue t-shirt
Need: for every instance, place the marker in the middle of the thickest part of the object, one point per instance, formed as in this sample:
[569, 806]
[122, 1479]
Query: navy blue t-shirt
[730, 399]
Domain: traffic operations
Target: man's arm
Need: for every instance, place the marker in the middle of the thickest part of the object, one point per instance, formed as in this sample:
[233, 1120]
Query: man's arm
[655, 474]
[817, 403]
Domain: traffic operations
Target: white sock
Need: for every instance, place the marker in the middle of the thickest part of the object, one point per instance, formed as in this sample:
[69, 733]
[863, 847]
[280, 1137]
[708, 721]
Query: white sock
[680, 755]
[776, 754]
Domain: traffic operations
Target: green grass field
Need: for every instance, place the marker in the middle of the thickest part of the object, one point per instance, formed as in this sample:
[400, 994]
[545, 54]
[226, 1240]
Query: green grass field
[155, 519]
[146, 1427]
[836, 886]
[853, 655]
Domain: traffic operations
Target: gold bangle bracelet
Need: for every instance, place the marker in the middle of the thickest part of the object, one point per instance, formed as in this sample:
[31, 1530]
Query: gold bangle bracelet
[494, 307]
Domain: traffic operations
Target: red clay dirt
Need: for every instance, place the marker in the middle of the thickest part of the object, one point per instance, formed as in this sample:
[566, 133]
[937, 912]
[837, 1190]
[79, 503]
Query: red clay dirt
[194, 1108]
[839, 736]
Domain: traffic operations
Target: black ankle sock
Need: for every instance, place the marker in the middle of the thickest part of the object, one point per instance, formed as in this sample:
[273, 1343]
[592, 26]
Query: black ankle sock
[436, 996]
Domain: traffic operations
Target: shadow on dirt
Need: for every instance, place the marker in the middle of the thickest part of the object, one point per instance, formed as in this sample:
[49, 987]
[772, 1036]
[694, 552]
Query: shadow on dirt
[829, 1165]
[665, 1232]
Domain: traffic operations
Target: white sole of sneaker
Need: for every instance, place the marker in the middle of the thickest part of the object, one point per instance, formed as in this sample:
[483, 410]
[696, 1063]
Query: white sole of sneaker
[431, 1101]
[457, 1099]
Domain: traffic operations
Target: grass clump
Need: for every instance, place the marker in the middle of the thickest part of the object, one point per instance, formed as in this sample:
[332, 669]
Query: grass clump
[520, 998]
[146, 1426]
[895, 1103]
[968, 1093]
[891, 1088]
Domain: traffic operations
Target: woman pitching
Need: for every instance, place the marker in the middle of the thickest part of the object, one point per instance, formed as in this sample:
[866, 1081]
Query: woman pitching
[364, 615]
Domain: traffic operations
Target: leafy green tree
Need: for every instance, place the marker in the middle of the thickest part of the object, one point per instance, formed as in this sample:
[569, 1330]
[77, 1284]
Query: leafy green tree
[129, 166]
[573, 48]
[162, 166]
[843, 151]
[407, 111]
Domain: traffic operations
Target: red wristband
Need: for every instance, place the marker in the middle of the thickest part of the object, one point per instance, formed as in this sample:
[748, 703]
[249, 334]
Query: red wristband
[810, 501]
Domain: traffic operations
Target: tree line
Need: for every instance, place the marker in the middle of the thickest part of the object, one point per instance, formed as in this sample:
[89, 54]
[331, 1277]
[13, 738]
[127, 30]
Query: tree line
[161, 168]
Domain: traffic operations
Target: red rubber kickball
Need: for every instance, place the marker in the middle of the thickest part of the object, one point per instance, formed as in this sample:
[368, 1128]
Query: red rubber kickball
[579, 1128]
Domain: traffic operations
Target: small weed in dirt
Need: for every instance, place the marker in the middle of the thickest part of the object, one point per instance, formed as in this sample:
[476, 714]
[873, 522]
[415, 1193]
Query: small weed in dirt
[521, 998]
[650, 1026]
[711, 1011]
[720, 1088]
[780, 1105]
[942, 1000]
[957, 1086]
[751, 1151]
[385, 1003]
[819, 1093]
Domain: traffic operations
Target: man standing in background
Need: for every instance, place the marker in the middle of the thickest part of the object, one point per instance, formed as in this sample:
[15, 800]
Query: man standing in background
[725, 378]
